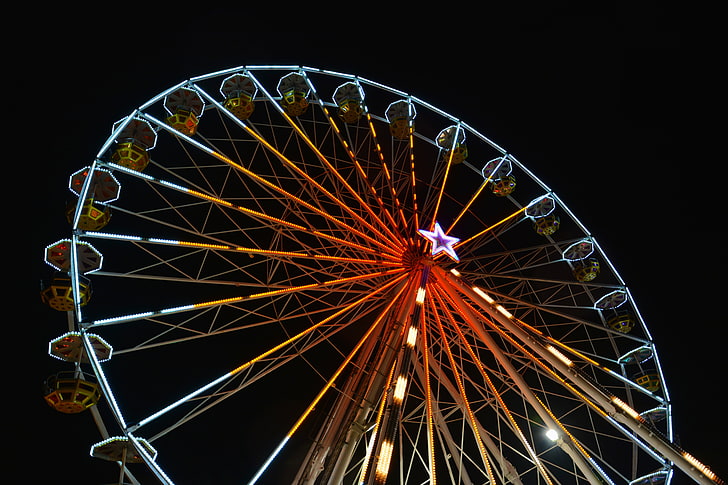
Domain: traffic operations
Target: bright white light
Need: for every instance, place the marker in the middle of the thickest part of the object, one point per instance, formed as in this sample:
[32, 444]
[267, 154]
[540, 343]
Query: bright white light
[385, 456]
[399, 389]
[411, 336]
[559, 355]
[697, 464]
[483, 294]
[624, 407]
[552, 434]
[503, 311]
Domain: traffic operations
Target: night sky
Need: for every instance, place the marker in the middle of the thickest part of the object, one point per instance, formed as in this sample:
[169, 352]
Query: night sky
[602, 105]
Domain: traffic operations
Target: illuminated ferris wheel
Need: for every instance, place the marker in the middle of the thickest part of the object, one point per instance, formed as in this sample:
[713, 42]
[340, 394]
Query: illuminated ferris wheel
[281, 274]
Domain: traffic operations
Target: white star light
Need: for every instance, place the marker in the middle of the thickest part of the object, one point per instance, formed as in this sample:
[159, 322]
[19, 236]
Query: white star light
[441, 241]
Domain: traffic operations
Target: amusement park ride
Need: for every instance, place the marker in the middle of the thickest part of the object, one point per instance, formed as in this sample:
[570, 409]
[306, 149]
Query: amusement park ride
[433, 311]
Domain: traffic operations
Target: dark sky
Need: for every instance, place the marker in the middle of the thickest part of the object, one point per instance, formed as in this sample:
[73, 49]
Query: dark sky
[609, 99]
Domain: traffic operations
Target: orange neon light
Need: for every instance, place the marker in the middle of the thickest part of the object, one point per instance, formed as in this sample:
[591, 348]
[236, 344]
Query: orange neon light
[377, 424]
[472, 199]
[461, 388]
[442, 185]
[428, 400]
[343, 365]
[311, 180]
[292, 289]
[261, 215]
[300, 201]
[467, 206]
[412, 174]
[533, 358]
[703, 469]
[363, 174]
[499, 398]
[346, 184]
[386, 171]
[310, 329]
[270, 252]
[488, 229]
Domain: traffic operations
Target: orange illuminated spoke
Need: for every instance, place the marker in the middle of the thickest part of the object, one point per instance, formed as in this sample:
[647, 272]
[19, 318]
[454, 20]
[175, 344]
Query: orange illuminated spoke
[313, 327]
[395, 198]
[283, 255]
[251, 297]
[287, 195]
[459, 381]
[362, 173]
[300, 201]
[267, 218]
[314, 183]
[266, 354]
[465, 209]
[491, 227]
[470, 317]
[477, 193]
[428, 399]
[444, 180]
[354, 160]
[329, 384]
[293, 289]
[413, 177]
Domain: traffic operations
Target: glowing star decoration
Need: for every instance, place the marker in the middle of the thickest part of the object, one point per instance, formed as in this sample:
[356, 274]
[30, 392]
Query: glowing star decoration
[441, 242]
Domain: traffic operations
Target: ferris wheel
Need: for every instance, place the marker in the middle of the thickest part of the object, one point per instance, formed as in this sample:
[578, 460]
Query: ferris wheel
[280, 274]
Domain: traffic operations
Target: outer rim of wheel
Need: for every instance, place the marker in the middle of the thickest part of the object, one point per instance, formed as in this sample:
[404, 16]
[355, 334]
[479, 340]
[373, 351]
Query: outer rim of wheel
[471, 133]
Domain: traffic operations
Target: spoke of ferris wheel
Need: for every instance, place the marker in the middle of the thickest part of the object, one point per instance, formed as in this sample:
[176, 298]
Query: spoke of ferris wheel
[238, 249]
[473, 197]
[252, 213]
[398, 207]
[490, 228]
[494, 448]
[572, 446]
[444, 179]
[379, 452]
[491, 386]
[393, 242]
[228, 328]
[326, 387]
[376, 429]
[308, 252]
[365, 177]
[412, 173]
[548, 370]
[428, 399]
[354, 160]
[363, 174]
[612, 408]
[484, 231]
[326, 163]
[265, 354]
[575, 451]
[249, 129]
[238, 299]
[270, 185]
[461, 388]
[215, 397]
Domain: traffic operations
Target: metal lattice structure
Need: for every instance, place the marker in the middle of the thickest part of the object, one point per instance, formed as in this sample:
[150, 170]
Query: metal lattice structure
[309, 277]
